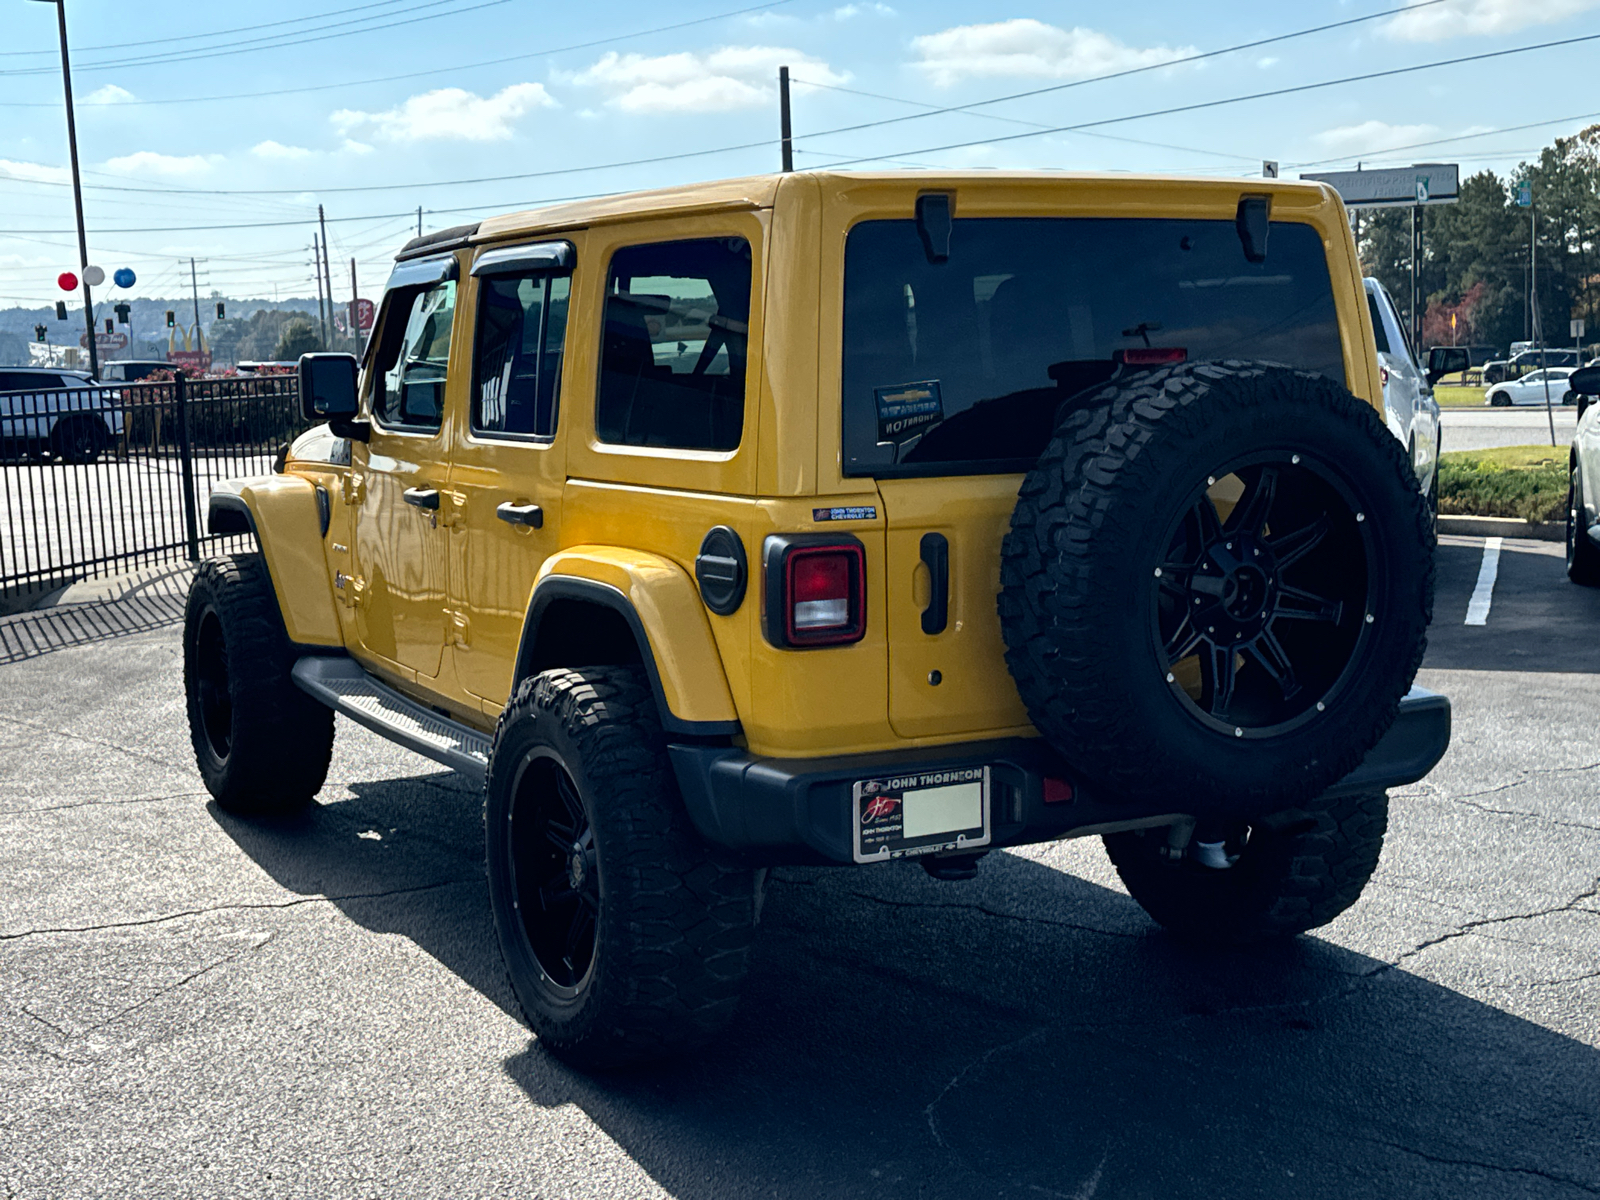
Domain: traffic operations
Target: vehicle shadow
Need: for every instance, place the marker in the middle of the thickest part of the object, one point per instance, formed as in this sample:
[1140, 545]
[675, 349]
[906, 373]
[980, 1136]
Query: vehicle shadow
[1538, 620]
[1027, 1034]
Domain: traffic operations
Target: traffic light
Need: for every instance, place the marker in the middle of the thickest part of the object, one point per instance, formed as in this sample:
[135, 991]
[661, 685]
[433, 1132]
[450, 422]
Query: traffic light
[61, 310]
[39, 332]
[172, 319]
[122, 311]
[109, 326]
[220, 314]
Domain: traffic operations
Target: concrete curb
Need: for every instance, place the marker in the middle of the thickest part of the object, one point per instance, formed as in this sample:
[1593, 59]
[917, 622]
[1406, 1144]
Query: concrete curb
[1513, 527]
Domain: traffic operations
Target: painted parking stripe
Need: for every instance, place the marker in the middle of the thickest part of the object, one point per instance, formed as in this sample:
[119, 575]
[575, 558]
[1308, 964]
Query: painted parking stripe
[1478, 606]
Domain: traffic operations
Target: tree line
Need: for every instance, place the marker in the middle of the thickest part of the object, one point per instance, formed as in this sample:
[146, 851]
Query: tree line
[1476, 252]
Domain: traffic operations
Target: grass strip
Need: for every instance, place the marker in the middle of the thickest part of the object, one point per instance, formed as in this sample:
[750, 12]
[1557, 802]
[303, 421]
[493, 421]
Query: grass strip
[1529, 482]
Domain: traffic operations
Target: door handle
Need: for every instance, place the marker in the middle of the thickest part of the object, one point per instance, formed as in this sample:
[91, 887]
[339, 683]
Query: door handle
[529, 516]
[936, 556]
[427, 498]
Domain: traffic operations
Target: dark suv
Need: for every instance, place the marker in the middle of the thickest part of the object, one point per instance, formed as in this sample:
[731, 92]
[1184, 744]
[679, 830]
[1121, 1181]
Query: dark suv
[56, 412]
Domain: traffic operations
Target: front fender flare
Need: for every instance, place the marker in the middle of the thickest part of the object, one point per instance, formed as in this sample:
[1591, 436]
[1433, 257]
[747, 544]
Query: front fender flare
[663, 609]
[284, 514]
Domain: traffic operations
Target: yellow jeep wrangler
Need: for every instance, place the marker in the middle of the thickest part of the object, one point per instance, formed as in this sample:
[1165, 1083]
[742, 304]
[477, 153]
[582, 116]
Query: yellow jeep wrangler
[841, 519]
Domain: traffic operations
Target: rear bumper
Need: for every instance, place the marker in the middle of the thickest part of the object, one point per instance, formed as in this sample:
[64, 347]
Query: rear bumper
[793, 811]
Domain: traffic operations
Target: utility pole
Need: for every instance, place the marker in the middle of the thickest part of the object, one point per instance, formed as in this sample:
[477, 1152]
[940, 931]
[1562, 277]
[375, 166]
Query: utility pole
[419, 220]
[194, 289]
[327, 276]
[77, 191]
[1416, 291]
[355, 303]
[784, 129]
[316, 273]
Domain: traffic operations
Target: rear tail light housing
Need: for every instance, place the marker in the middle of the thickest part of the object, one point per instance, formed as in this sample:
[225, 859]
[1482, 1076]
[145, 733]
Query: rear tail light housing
[816, 591]
[1151, 356]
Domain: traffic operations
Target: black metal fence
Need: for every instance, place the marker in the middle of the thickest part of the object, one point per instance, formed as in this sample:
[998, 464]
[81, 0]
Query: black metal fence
[112, 477]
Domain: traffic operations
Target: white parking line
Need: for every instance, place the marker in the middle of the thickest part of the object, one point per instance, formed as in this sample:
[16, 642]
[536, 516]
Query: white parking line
[1478, 606]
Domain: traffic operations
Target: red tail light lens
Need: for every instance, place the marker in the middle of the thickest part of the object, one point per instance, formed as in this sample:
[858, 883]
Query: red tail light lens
[816, 592]
[1153, 356]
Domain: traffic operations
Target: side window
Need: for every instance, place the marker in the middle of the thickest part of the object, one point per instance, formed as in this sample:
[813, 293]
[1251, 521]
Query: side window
[516, 365]
[1379, 333]
[411, 366]
[672, 363]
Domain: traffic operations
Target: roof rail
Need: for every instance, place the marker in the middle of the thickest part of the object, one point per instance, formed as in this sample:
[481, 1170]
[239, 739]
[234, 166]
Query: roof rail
[432, 243]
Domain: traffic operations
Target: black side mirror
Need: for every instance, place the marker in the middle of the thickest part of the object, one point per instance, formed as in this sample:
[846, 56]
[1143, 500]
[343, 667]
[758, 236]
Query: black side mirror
[1585, 381]
[1447, 360]
[329, 386]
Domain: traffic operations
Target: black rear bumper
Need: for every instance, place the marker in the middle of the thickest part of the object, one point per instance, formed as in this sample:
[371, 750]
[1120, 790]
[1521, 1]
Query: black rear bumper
[799, 810]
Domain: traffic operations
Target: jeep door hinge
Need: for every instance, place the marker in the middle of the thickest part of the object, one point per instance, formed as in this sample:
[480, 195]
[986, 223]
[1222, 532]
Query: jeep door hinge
[350, 589]
[355, 490]
[457, 629]
[452, 508]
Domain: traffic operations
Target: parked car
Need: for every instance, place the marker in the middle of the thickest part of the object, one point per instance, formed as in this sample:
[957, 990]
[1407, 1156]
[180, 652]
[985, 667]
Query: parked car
[820, 518]
[61, 413]
[1477, 356]
[131, 370]
[1531, 389]
[1583, 481]
[1409, 407]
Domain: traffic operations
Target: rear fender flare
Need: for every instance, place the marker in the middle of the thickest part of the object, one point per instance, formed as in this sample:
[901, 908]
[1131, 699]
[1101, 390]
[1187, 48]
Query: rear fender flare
[661, 608]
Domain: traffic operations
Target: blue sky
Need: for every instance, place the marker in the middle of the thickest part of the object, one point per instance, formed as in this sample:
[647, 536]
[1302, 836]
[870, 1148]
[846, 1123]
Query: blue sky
[375, 108]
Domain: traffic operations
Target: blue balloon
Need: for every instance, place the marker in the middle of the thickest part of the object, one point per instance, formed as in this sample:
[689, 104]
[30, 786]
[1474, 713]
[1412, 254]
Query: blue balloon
[124, 277]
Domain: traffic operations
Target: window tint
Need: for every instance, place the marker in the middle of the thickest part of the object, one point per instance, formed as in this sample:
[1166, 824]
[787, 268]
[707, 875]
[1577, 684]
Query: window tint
[963, 365]
[1379, 333]
[413, 357]
[522, 327]
[673, 361]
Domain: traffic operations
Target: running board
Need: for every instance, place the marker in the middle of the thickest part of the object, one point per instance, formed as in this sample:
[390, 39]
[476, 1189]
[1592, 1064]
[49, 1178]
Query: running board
[344, 686]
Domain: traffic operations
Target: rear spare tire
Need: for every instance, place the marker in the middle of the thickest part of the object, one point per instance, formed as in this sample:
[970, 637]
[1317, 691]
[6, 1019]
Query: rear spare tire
[1217, 585]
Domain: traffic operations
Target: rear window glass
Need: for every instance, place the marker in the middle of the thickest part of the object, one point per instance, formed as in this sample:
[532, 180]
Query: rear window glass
[1378, 333]
[962, 366]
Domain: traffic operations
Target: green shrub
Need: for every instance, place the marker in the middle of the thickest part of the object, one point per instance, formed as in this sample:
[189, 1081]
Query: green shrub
[1529, 482]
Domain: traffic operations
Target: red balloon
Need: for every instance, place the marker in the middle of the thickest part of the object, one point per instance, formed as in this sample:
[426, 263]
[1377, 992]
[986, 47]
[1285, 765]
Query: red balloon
[68, 281]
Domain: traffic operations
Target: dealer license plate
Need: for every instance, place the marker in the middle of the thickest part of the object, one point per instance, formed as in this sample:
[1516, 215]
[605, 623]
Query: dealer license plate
[897, 816]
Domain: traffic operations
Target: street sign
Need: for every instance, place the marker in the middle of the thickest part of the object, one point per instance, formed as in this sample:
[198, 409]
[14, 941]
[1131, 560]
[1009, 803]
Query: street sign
[1269, 169]
[1524, 193]
[1395, 187]
[1576, 325]
[364, 314]
[105, 341]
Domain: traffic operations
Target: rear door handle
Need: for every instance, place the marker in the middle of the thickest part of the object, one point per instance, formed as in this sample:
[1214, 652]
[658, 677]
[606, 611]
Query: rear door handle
[936, 556]
[529, 516]
[427, 498]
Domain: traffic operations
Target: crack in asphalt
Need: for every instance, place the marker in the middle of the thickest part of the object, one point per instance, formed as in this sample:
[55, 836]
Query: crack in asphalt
[1573, 905]
[196, 912]
[1592, 1189]
[955, 1080]
[24, 812]
[182, 983]
[160, 762]
[1517, 812]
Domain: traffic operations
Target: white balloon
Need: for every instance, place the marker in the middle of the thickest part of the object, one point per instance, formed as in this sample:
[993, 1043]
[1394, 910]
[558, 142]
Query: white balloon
[94, 276]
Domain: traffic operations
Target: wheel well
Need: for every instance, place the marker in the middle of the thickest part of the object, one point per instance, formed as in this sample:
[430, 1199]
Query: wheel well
[580, 633]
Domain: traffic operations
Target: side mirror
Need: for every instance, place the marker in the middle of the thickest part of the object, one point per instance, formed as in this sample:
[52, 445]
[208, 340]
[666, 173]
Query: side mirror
[1447, 360]
[1585, 381]
[329, 385]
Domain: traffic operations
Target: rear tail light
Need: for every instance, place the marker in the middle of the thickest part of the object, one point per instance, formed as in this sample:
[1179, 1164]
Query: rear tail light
[816, 591]
[1151, 356]
[1383, 376]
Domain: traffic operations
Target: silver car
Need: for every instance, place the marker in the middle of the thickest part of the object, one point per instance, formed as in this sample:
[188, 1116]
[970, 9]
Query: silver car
[1409, 408]
[57, 412]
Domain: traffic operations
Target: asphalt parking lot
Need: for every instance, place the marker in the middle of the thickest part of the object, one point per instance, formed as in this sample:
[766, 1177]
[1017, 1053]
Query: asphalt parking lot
[199, 1006]
[1485, 428]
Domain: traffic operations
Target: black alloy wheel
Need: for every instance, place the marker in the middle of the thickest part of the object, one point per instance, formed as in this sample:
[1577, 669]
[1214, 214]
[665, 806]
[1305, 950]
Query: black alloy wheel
[1260, 612]
[78, 440]
[555, 874]
[211, 683]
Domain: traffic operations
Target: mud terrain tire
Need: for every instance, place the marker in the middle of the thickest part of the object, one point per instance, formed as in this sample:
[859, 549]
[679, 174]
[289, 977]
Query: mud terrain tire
[262, 745]
[626, 937]
[1167, 644]
[1284, 883]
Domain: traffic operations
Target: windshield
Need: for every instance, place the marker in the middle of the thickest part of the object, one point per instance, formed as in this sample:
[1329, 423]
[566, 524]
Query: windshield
[962, 365]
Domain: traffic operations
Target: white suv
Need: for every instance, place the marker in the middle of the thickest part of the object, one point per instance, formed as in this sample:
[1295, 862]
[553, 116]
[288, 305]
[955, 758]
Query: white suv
[58, 412]
[1409, 408]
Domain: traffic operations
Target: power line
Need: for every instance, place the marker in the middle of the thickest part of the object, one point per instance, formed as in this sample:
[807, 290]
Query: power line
[473, 66]
[1267, 95]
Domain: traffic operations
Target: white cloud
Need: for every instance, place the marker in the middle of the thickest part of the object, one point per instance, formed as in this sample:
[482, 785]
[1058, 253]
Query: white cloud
[450, 114]
[847, 12]
[1460, 18]
[351, 146]
[277, 150]
[1372, 136]
[170, 165]
[1030, 49]
[1266, 63]
[725, 79]
[37, 172]
[109, 94]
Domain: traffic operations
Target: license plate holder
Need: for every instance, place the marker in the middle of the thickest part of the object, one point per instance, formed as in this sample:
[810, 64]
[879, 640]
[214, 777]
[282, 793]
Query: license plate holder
[921, 812]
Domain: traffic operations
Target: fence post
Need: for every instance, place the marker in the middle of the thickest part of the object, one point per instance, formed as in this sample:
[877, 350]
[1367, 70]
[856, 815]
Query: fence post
[191, 518]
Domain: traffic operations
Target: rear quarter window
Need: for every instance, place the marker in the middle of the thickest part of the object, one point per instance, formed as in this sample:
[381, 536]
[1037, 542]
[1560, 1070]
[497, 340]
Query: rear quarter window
[962, 366]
